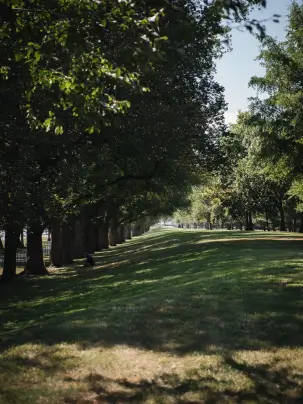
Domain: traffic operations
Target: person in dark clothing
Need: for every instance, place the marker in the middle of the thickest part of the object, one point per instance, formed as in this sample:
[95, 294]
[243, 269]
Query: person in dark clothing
[89, 260]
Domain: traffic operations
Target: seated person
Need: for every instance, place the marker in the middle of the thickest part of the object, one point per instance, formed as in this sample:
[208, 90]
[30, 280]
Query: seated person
[89, 260]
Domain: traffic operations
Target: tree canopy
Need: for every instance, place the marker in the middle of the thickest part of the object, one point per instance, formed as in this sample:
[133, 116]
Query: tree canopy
[110, 113]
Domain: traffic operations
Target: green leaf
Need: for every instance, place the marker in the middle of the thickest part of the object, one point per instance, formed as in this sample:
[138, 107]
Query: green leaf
[59, 130]
[48, 123]
[37, 56]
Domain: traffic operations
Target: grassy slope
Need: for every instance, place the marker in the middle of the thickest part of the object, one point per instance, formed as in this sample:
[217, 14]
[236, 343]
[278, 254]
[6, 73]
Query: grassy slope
[171, 317]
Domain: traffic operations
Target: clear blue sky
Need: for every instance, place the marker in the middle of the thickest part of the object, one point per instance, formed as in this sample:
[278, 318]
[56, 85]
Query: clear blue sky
[236, 68]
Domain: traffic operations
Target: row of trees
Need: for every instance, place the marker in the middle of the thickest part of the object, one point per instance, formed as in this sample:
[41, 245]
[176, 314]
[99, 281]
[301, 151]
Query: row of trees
[259, 182]
[108, 112]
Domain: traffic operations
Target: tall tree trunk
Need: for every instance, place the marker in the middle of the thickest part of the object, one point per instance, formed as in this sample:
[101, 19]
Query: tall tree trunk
[89, 239]
[121, 231]
[282, 218]
[103, 240]
[136, 230]
[67, 243]
[248, 221]
[295, 223]
[289, 225]
[56, 247]
[1, 244]
[114, 231]
[19, 243]
[113, 236]
[9, 266]
[35, 263]
[128, 235]
[266, 221]
[101, 228]
[62, 246]
[96, 238]
[78, 238]
[301, 223]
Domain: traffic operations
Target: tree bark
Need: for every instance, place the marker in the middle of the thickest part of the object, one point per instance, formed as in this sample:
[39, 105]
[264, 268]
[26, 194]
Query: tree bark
[248, 221]
[67, 243]
[35, 263]
[114, 231]
[121, 231]
[62, 247]
[56, 248]
[78, 239]
[103, 240]
[113, 236]
[295, 223]
[128, 235]
[101, 228]
[266, 221]
[282, 218]
[9, 266]
[136, 230]
[96, 238]
[290, 226]
[89, 239]
[19, 243]
[1, 245]
[251, 226]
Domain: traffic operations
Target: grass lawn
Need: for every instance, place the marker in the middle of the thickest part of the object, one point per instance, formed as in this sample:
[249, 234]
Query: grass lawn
[174, 316]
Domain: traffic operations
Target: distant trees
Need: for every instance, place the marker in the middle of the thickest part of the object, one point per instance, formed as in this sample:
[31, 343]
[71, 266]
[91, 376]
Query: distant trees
[258, 182]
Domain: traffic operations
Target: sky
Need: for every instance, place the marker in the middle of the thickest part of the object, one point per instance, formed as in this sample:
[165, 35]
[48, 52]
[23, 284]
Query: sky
[236, 68]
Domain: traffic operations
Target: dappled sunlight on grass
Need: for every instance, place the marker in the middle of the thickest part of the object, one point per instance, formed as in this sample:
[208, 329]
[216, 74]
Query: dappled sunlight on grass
[171, 317]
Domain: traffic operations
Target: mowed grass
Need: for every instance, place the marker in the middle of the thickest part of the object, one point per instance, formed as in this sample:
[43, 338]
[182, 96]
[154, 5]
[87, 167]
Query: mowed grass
[174, 316]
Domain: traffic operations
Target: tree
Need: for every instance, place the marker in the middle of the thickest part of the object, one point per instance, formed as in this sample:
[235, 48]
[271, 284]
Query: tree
[278, 117]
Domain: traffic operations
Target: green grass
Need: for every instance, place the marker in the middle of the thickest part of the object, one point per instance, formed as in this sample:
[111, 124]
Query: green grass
[174, 316]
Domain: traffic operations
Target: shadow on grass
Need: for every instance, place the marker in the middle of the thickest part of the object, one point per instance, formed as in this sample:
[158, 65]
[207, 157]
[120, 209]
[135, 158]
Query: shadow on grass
[175, 292]
[266, 386]
[166, 292]
[264, 383]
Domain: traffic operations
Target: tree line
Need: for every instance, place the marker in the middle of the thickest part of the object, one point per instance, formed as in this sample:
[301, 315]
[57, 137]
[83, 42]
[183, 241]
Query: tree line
[259, 182]
[109, 113]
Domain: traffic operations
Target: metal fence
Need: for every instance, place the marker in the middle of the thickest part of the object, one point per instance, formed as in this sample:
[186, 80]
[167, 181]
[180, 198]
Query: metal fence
[21, 256]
